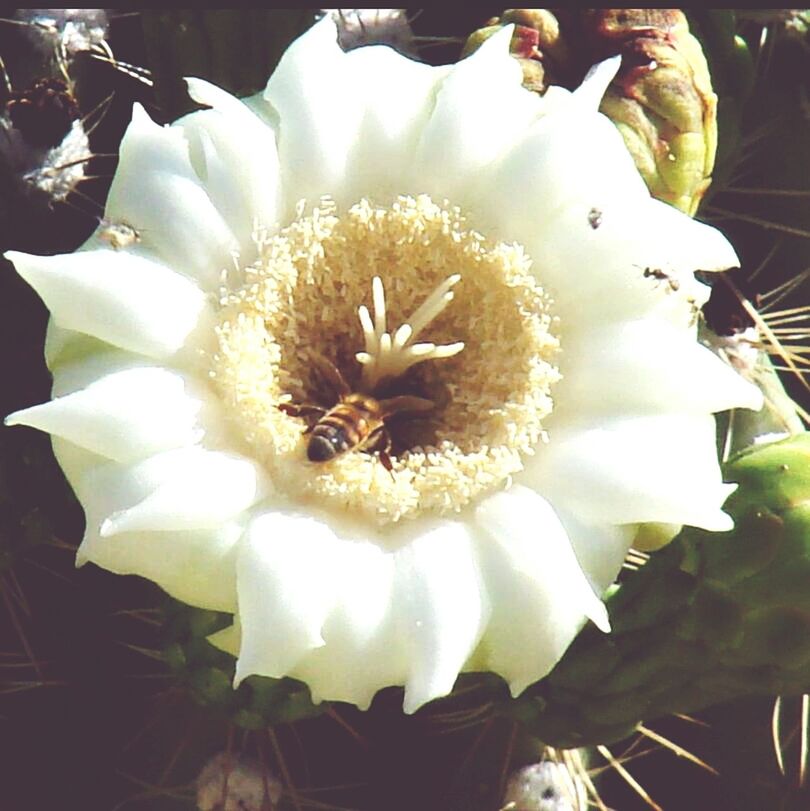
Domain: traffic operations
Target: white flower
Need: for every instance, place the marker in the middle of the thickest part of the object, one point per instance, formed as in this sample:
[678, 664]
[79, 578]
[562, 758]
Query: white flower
[579, 406]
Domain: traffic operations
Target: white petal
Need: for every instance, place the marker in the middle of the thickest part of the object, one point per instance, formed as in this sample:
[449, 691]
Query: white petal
[690, 244]
[481, 110]
[65, 346]
[195, 566]
[642, 367]
[128, 414]
[660, 468]
[399, 96]
[600, 550]
[56, 340]
[443, 604]
[569, 159]
[287, 586]
[606, 273]
[229, 639]
[540, 596]
[77, 373]
[156, 191]
[361, 626]
[319, 594]
[120, 298]
[319, 107]
[188, 488]
[237, 159]
[613, 263]
[596, 82]
[222, 101]
[75, 462]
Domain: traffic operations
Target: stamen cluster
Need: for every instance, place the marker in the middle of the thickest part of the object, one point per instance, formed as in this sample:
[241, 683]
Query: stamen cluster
[301, 299]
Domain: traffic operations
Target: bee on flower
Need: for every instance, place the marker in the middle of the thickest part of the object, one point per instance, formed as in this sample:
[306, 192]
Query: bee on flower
[569, 400]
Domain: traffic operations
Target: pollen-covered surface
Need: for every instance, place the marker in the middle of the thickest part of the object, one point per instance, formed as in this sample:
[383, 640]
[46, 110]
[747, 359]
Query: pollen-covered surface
[302, 296]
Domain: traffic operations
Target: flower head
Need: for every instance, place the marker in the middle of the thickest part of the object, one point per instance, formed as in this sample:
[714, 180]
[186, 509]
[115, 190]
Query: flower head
[374, 226]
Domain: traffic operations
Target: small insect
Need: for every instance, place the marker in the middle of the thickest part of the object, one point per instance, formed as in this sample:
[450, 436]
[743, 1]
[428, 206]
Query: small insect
[594, 218]
[118, 234]
[357, 422]
[661, 276]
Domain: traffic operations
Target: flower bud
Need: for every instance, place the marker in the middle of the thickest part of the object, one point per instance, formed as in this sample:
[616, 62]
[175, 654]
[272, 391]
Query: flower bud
[229, 782]
[373, 26]
[545, 786]
[661, 100]
[537, 44]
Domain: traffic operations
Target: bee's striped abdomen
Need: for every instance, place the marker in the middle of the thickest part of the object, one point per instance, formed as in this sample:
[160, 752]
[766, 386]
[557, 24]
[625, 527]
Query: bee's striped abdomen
[344, 427]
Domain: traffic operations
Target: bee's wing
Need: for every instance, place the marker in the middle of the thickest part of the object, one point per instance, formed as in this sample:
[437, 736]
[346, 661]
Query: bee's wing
[331, 374]
[405, 403]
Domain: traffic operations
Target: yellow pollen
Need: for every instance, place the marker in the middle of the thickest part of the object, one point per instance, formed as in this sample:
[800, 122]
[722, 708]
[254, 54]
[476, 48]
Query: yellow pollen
[304, 298]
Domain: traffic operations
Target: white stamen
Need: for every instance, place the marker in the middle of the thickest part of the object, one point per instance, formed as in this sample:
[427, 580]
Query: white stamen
[365, 323]
[418, 350]
[378, 296]
[402, 336]
[448, 350]
[387, 356]
[434, 304]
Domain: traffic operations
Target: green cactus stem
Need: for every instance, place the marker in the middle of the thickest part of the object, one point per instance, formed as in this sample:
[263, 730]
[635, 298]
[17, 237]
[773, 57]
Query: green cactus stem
[710, 618]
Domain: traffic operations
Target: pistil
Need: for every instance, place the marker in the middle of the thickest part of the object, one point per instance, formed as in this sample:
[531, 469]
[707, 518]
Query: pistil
[389, 356]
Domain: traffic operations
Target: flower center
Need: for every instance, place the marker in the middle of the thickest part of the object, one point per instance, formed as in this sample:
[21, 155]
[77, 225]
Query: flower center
[458, 320]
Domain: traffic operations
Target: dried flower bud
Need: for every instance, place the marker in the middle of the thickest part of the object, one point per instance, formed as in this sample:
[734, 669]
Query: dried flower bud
[231, 782]
[373, 26]
[545, 786]
[536, 44]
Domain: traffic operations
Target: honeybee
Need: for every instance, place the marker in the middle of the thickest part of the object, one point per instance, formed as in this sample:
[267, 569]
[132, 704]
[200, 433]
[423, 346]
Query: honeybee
[357, 422]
